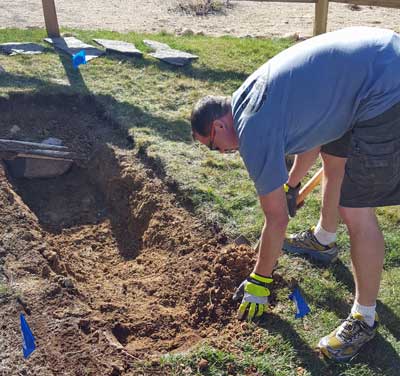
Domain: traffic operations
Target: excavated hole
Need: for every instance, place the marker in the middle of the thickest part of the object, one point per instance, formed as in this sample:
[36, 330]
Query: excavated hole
[66, 201]
[128, 277]
[91, 191]
[115, 249]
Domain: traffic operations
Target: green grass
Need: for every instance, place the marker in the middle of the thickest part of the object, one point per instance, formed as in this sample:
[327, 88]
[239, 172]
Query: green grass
[154, 100]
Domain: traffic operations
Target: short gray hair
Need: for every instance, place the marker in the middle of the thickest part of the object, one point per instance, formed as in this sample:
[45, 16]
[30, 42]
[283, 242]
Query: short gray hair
[206, 110]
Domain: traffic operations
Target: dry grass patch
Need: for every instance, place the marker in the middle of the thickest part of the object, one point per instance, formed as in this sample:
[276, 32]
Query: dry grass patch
[202, 7]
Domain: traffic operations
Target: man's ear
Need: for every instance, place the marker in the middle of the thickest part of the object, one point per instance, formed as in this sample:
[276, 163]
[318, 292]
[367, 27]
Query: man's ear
[218, 123]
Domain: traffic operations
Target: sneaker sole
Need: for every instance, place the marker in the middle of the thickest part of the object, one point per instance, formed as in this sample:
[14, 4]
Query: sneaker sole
[325, 257]
[331, 356]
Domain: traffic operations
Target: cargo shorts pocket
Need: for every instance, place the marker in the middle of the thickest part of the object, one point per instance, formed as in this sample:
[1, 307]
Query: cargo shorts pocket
[374, 164]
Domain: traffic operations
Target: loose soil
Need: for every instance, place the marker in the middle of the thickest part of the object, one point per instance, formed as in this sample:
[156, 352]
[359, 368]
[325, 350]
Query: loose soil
[108, 267]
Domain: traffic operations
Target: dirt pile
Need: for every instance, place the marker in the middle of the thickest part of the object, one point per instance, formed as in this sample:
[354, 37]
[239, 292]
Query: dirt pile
[212, 301]
[109, 269]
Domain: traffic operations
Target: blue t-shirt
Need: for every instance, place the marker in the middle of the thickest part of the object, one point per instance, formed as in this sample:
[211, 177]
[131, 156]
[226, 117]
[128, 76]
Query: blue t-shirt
[311, 94]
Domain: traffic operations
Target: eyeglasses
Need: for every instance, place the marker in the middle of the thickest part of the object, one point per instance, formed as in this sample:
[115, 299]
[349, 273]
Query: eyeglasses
[211, 145]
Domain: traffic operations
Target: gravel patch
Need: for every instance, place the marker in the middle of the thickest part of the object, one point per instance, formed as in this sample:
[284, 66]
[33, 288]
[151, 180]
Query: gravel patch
[243, 18]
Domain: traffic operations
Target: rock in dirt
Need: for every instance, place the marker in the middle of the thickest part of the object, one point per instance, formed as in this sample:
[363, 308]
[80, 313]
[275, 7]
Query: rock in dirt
[202, 364]
[2, 70]
[68, 283]
[242, 240]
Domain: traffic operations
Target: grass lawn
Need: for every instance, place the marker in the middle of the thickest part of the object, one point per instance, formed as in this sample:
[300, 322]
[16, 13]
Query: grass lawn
[153, 100]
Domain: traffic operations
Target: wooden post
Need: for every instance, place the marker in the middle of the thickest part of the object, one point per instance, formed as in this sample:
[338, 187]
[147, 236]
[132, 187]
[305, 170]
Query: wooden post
[321, 16]
[50, 18]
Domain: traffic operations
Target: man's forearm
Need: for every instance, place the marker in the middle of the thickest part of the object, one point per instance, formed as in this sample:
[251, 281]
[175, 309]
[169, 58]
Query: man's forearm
[301, 166]
[270, 247]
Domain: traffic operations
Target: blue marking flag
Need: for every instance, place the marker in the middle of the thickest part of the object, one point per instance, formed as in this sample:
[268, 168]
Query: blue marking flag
[301, 305]
[79, 58]
[28, 340]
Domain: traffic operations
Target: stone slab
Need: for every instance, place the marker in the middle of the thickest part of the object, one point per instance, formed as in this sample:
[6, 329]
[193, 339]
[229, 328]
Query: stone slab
[21, 48]
[37, 168]
[155, 46]
[174, 57]
[119, 46]
[169, 55]
[72, 45]
[32, 168]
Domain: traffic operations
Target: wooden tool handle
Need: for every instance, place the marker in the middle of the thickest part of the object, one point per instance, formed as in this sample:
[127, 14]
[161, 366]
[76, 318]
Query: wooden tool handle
[311, 184]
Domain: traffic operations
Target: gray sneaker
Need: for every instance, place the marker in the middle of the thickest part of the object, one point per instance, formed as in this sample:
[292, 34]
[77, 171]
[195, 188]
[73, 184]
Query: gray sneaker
[346, 340]
[305, 243]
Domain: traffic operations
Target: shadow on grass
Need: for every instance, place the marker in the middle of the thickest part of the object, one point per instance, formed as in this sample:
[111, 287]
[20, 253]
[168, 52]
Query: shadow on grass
[175, 130]
[379, 356]
[343, 275]
[178, 130]
[16, 81]
[308, 356]
[74, 75]
[331, 302]
[189, 70]
[386, 315]
[389, 319]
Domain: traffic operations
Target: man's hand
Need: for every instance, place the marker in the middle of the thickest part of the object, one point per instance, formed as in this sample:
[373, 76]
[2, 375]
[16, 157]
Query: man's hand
[254, 293]
[291, 198]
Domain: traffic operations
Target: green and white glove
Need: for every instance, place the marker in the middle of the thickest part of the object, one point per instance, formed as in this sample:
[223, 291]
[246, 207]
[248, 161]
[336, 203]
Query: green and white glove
[254, 293]
[291, 198]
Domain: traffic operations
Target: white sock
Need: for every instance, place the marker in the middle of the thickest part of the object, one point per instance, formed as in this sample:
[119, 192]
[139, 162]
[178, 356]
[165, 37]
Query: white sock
[323, 236]
[368, 312]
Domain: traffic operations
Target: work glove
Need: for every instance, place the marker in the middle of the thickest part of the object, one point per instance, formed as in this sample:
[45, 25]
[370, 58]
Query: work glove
[254, 294]
[291, 198]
